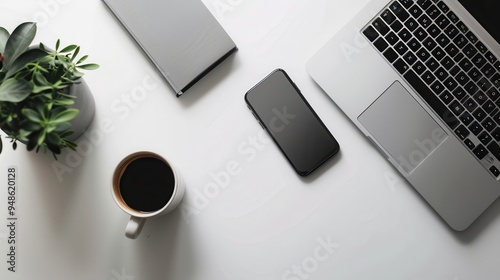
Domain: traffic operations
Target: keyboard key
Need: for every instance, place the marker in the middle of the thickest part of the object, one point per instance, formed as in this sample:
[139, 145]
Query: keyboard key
[479, 60]
[406, 3]
[396, 26]
[466, 118]
[453, 17]
[484, 84]
[494, 170]
[442, 21]
[475, 74]
[459, 93]
[446, 97]
[493, 94]
[404, 34]
[415, 11]
[469, 50]
[489, 106]
[423, 54]
[424, 4]
[433, 12]
[419, 68]
[428, 77]
[380, 26]
[450, 83]
[496, 80]
[452, 50]
[494, 148]
[410, 58]
[489, 124]
[390, 55]
[388, 17]
[465, 64]
[496, 118]
[441, 73]
[457, 108]
[470, 105]
[496, 134]
[471, 88]
[480, 151]
[399, 11]
[442, 40]
[437, 87]
[413, 44]
[460, 41]
[491, 57]
[420, 33]
[471, 37]
[447, 62]
[438, 53]
[480, 97]
[439, 108]
[401, 48]
[469, 144]
[433, 30]
[479, 114]
[462, 27]
[429, 44]
[443, 7]
[481, 47]
[432, 64]
[380, 44]
[485, 138]
[451, 31]
[411, 24]
[488, 70]
[401, 66]
[424, 21]
[391, 38]
[459, 57]
[370, 33]
[462, 132]
[462, 78]
[475, 128]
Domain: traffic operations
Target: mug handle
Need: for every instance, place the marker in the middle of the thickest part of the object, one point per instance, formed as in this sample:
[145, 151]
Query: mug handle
[134, 227]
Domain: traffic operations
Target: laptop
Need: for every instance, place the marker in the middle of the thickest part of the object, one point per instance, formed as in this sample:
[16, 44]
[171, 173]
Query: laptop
[421, 80]
[180, 37]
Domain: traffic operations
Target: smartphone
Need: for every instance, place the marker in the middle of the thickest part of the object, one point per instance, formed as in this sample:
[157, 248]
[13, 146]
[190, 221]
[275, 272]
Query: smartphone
[281, 109]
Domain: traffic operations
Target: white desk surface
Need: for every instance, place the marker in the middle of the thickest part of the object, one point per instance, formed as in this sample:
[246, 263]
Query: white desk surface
[354, 218]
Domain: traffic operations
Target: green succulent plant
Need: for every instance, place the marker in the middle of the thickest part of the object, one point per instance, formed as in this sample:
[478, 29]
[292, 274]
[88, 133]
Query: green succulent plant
[34, 86]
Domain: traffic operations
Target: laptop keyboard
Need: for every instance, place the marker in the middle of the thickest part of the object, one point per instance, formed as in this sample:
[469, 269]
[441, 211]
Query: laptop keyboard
[448, 66]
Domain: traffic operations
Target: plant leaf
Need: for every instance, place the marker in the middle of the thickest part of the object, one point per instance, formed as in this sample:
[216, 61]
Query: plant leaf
[24, 59]
[1, 145]
[82, 59]
[32, 115]
[12, 90]
[90, 66]
[65, 116]
[18, 42]
[4, 36]
[68, 49]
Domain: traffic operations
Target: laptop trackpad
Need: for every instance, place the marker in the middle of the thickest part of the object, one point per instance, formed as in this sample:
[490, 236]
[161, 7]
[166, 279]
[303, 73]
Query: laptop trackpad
[403, 128]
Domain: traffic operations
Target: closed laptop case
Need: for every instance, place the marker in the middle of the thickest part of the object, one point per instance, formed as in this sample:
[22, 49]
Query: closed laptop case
[181, 37]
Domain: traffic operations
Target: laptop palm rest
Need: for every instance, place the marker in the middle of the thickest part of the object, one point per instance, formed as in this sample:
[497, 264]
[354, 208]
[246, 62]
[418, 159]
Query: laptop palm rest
[402, 127]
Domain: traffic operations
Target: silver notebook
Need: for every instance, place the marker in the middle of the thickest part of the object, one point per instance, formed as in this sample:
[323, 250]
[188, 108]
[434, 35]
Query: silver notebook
[181, 37]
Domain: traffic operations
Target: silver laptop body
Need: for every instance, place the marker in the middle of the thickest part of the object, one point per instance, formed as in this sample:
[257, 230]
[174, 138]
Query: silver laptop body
[458, 181]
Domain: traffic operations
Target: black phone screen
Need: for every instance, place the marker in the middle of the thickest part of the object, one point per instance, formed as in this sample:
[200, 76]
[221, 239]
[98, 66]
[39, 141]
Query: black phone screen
[283, 111]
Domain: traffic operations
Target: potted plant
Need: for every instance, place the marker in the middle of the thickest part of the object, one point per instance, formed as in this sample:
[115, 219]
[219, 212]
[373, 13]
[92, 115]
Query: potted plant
[43, 99]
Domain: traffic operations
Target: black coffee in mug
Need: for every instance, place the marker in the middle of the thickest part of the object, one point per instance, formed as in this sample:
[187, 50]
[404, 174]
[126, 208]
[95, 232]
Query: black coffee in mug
[147, 184]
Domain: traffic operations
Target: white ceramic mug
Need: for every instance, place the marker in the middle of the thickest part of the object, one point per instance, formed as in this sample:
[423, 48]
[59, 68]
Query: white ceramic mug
[138, 217]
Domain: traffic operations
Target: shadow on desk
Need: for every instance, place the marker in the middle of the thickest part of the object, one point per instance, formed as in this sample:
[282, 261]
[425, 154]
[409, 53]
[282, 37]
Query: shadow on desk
[164, 249]
[479, 226]
[208, 82]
